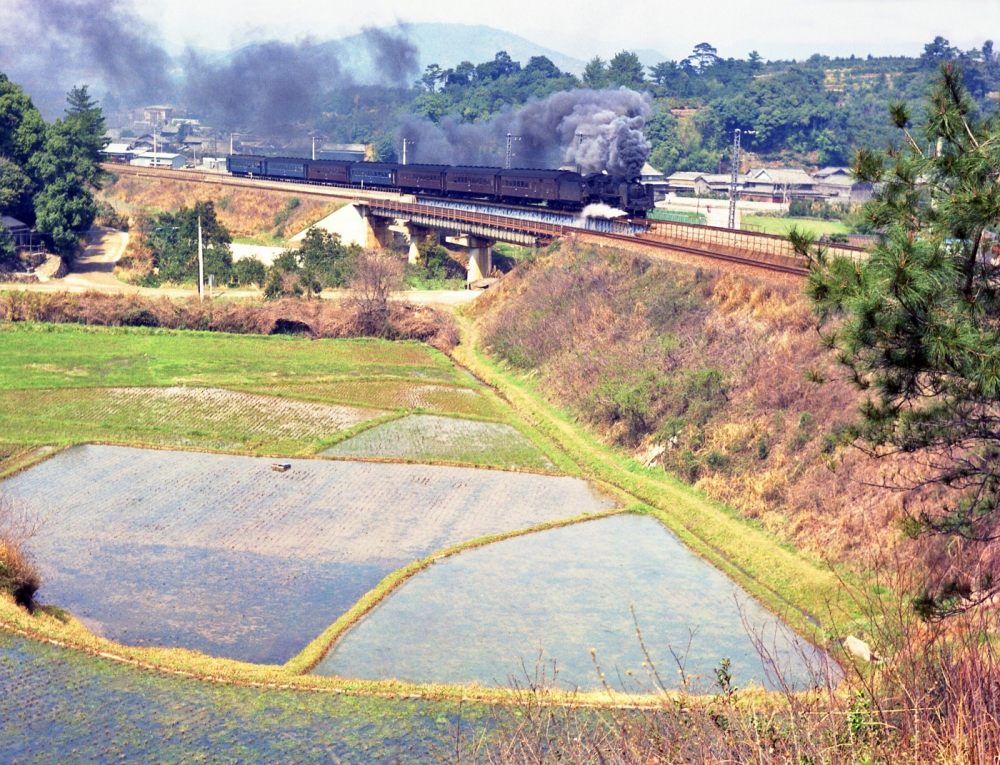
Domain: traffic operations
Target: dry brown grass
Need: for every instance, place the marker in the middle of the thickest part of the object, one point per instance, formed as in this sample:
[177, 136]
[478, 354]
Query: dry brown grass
[316, 318]
[18, 576]
[245, 212]
[727, 373]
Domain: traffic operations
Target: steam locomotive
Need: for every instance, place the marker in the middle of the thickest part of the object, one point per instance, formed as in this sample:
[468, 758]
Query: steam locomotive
[558, 189]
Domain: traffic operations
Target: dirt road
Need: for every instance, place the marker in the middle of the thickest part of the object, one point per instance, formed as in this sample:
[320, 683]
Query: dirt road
[94, 270]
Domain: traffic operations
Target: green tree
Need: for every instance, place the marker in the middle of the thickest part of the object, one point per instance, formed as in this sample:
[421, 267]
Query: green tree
[174, 241]
[325, 255]
[431, 77]
[84, 122]
[920, 327]
[626, 70]
[14, 186]
[249, 271]
[703, 57]
[595, 74]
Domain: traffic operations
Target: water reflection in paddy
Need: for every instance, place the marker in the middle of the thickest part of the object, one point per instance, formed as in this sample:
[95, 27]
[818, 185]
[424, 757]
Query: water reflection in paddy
[221, 554]
[477, 616]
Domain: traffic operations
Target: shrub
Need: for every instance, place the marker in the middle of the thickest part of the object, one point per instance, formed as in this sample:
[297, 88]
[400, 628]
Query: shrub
[326, 318]
[249, 271]
[18, 576]
[374, 276]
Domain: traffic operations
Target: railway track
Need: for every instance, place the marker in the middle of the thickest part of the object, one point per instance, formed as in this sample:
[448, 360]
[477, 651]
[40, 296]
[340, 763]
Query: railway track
[618, 231]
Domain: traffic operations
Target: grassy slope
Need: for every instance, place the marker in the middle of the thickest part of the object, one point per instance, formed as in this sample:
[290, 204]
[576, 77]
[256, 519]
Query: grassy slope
[264, 216]
[799, 589]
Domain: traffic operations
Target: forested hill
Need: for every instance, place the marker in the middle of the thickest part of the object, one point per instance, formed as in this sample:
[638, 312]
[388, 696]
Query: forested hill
[815, 112]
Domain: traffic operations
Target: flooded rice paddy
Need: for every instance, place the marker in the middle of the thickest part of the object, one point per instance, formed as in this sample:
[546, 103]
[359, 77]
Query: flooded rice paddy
[59, 706]
[221, 554]
[484, 615]
[430, 437]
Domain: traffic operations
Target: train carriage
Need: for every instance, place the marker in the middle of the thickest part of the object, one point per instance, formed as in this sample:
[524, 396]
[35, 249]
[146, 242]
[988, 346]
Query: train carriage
[421, 177]
[286, 167]
[373, 174]
[328, 171]
[243, 164]
[555, 186]
[471, 181]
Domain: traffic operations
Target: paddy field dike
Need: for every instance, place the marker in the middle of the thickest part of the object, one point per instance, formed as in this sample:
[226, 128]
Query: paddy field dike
[437, 535]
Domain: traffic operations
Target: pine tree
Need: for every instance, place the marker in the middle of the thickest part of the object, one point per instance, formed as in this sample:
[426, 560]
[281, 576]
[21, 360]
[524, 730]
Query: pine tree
[920, 324]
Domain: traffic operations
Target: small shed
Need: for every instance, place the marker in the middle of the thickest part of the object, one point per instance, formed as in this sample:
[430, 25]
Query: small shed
[159, 159]
[119, 153]
[18, 231]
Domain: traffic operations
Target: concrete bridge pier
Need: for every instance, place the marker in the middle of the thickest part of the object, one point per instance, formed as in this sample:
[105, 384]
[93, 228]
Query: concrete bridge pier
[414, 235]
[480, 255]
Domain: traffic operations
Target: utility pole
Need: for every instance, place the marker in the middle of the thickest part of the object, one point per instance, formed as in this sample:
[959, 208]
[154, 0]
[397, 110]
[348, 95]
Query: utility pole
[510, 139]
[314, 147]
[579, 143]
[734, 175]
[201, 264]
[411, 143]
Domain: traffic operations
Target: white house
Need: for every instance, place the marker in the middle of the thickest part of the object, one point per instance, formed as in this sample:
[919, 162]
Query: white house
[159, 159]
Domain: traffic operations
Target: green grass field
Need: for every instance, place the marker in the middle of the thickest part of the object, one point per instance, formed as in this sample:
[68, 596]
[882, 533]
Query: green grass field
[65, 384]
[781, 226]
[63, 355]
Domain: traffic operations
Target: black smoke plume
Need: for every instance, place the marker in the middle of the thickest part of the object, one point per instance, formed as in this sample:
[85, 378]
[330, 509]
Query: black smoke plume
[396, 59]
[262, 86]
[46, 41]
[49, 45]
[595, 130]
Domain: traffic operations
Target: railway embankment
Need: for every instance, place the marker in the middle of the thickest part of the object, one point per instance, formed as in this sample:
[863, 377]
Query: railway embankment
[247, 211]
[684, 373]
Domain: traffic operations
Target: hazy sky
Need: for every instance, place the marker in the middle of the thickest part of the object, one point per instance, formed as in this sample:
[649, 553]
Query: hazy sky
[775, 28]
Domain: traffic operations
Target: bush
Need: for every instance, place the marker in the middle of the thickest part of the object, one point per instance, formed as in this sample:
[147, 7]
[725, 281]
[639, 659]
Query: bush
[249, 271]
[326, 318]
[18, 576]
[375, 275]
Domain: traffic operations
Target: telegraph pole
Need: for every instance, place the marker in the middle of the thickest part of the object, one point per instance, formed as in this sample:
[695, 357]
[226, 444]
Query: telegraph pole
[510, 139]
[201, 264]
[405, 141]
[734, 175]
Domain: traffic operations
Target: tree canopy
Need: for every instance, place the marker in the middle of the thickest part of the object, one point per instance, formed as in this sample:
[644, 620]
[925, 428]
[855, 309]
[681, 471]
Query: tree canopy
[174, 241]
[47, 171]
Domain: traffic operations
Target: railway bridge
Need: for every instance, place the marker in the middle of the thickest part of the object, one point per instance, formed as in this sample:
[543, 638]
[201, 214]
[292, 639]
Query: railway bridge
[377, 222]
[377, 218]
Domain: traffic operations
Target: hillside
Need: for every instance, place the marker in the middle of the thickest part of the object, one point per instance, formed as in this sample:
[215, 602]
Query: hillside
[448, 45]
[718, 380]
[263, 214]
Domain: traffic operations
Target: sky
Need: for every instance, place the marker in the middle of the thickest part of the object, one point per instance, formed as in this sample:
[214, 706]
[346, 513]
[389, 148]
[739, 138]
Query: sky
[582, 28]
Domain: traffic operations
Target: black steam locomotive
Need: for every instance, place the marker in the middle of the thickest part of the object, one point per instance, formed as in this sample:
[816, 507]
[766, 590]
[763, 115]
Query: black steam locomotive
[558, 189]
